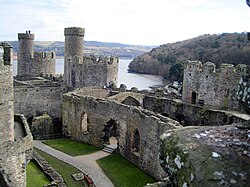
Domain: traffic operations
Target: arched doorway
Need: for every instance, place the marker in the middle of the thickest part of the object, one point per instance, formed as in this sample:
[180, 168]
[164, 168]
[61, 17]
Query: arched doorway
[110, 134]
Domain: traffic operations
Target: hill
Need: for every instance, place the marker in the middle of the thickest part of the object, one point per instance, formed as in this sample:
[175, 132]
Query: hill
[91, 48]
[168, 59]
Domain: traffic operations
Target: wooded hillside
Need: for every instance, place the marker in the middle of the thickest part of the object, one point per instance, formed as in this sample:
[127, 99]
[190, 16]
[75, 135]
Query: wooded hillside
[168, 59]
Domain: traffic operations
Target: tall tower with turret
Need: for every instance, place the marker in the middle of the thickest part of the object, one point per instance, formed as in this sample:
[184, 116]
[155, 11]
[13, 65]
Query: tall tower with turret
[25, 53]
[83, 71]
[30, 63]
[73, 54]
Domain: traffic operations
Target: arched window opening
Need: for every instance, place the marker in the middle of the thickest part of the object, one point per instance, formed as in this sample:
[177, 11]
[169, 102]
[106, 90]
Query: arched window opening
[84, 122]
[110, 134]
[136, 141]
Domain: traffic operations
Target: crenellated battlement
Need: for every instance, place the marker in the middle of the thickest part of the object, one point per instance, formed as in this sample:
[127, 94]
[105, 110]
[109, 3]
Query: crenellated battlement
[209, 67]
[100, 60]
[74, 31]
[27, 36]
[44, 55]
[32, 63]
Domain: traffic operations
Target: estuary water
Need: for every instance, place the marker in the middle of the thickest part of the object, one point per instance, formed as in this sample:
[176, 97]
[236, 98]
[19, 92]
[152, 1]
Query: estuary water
[141, 81]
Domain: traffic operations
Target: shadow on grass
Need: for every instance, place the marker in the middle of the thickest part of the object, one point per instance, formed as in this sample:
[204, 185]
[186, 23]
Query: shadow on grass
[35, 176]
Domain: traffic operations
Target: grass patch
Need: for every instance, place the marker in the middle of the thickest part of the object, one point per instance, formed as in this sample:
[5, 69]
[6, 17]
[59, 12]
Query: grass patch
[71, 147]
[63, 168]
[122, 172]
[35, 176]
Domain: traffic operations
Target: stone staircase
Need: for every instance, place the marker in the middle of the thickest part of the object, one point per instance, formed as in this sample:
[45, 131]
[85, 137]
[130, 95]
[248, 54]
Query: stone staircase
[109, 148]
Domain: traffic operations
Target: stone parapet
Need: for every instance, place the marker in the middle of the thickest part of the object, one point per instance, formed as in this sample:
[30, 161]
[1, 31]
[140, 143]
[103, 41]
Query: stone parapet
[74, 31]
[27, 36]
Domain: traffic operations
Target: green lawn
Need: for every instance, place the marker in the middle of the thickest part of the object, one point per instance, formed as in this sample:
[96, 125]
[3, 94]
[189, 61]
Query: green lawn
[63, 168]
[71, 147]
[35, 176]
[122, 172]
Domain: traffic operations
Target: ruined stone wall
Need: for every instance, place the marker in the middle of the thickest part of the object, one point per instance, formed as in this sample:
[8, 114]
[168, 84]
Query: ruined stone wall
[34, 100]
[30, 63]
[188, 114]
[44, 63]
[98, 112]
[213, 87]
[243, 92]
[6, 95]
[14, 149]
[81, 71]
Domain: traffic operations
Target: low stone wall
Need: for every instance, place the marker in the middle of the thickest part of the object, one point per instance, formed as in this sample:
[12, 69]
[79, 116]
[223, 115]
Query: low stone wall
[14, 157]
[188, 114]
[57, 179]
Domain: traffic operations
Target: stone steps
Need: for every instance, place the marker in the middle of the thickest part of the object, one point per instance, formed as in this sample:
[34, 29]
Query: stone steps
[109, 149]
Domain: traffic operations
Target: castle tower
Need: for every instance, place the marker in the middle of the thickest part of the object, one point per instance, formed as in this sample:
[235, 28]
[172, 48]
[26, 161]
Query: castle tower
[6, 94]
[73, 54]
[15, 137]
[25, 54]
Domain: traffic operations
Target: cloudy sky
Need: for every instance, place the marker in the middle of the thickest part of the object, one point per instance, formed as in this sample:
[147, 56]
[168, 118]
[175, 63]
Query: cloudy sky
[145, 22]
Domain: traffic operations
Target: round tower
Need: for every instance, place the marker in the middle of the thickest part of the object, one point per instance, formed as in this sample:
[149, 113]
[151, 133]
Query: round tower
[73, 53]
[25, 53]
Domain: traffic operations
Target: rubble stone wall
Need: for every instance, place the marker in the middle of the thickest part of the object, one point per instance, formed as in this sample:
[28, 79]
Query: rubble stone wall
[129, 119]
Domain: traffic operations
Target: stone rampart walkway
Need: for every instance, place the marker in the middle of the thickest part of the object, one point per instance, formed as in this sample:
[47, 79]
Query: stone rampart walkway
[85, 163]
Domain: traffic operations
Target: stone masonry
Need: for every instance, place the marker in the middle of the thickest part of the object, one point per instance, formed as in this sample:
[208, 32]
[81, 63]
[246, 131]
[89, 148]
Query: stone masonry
[93, 119]
[32, 63]
[15, 138]
[204, 84]
[82, 71]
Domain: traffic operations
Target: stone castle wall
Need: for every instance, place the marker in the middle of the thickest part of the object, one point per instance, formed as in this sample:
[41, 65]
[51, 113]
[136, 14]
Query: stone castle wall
[6, 95]
[32, 63]
[213, 87]
[85, 118]
[81, 71]
[190, 115]
[15, 147]
[33, 99]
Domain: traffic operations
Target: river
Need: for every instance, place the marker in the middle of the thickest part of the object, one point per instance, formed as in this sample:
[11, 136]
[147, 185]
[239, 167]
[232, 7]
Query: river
[141, 81]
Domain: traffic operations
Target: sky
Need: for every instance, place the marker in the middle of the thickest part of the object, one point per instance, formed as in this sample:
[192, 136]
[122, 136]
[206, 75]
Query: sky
[141, 22]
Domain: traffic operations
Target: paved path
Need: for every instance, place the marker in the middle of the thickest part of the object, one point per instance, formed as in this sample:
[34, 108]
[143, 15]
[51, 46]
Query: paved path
[85, 163]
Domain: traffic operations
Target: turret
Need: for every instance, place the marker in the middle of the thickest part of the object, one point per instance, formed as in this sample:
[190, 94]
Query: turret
[25, 53]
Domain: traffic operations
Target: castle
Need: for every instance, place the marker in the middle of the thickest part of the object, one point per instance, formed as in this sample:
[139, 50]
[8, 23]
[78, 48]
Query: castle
[149, 128]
